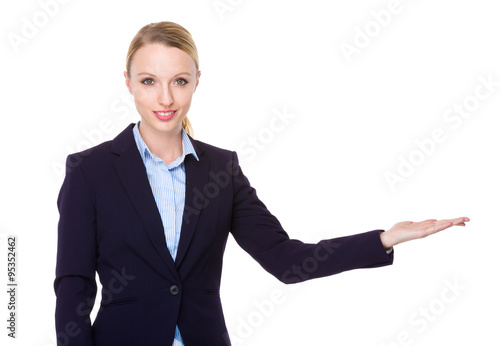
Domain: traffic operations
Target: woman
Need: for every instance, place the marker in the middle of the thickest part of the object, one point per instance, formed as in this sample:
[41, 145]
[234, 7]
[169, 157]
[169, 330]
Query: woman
[151, 210]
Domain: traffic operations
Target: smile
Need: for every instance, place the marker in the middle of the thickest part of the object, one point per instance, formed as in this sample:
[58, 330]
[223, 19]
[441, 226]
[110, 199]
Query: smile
[164, 115]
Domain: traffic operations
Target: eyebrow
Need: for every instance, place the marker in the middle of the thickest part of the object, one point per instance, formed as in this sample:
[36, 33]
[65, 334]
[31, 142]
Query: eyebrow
[152, 74]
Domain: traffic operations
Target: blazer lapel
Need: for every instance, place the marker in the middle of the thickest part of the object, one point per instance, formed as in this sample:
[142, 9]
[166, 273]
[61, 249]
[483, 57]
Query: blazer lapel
[132, 173]
[197, 173]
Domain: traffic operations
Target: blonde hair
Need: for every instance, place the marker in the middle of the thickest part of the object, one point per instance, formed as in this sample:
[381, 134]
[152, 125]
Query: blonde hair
[172, 35]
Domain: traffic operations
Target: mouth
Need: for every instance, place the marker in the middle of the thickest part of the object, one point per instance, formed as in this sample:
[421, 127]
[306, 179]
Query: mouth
[165, 115]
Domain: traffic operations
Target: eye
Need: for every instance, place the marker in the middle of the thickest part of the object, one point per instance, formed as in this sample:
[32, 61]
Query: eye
[180, 81]
[148, 81]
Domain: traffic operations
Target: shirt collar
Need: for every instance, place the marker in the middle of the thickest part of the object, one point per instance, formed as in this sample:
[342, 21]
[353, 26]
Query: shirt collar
[187, 146]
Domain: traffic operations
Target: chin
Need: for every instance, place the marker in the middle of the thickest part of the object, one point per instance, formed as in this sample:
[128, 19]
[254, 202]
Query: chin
[168, 126]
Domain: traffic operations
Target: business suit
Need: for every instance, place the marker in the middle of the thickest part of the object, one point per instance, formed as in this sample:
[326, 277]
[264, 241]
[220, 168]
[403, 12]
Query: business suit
[109, 223]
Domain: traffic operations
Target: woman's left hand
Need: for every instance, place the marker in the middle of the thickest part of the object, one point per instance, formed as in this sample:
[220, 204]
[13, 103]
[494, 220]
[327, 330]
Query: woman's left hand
[408, 230]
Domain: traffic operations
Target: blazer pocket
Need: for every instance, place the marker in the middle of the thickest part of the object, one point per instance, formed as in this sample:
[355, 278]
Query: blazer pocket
[118, 302]
[211, 292]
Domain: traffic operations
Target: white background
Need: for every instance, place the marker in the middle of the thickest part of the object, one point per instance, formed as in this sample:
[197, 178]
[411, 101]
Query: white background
[323, 175]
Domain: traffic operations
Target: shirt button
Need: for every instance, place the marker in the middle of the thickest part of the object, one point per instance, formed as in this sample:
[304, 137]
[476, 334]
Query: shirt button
[174, 290]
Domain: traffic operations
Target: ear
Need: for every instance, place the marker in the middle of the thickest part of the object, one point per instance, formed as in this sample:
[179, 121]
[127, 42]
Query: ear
[127, 81]
[197, 80]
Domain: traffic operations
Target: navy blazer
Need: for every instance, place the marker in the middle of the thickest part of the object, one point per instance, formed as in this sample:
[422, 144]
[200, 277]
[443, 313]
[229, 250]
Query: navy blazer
[109, 224]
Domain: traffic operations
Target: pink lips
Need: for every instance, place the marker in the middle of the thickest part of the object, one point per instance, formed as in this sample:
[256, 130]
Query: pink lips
[170, 114]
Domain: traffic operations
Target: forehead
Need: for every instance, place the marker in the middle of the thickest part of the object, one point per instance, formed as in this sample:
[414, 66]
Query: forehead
[159, 59]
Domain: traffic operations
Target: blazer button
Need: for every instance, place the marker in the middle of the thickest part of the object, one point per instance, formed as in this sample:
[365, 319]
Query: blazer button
[174, 290]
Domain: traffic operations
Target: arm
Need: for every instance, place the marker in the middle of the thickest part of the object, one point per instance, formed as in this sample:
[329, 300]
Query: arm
[407, 230]
[260, 234]
[75, 285]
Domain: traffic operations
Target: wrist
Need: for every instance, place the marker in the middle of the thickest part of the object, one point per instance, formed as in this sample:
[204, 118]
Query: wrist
[386, 240]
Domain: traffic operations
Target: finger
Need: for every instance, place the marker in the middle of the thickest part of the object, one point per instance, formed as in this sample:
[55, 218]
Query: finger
[460, 220]
[441, 225]
[446, 223]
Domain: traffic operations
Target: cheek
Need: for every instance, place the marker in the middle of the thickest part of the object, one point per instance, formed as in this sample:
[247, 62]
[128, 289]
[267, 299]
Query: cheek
[143, 97]
[184, 98]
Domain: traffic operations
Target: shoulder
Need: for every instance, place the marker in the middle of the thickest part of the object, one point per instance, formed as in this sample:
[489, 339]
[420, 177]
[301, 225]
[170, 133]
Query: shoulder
[99, 155]
[211, 151]
[94, 159]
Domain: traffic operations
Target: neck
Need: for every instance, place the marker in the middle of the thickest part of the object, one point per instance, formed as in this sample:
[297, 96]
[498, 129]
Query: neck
[166, 145]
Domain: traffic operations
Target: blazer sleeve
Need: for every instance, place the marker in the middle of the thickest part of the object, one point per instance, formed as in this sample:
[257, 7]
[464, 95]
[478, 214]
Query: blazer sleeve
[75, 284]
[260, 234]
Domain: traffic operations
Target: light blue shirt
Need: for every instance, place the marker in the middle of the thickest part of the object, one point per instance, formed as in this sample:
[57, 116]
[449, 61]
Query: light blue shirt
[168, 183]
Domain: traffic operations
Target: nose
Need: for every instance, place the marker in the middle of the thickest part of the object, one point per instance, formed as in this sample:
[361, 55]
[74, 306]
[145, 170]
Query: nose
[165, 97]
